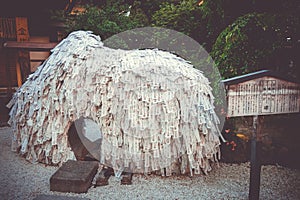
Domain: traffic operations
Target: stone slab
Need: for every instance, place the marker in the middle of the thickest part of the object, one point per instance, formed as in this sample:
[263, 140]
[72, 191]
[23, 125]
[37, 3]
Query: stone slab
[57, 197]
[74, 176]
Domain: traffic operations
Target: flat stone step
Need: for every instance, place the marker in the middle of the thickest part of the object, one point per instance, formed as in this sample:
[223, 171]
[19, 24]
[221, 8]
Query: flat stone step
[103, 176]
[74, 176]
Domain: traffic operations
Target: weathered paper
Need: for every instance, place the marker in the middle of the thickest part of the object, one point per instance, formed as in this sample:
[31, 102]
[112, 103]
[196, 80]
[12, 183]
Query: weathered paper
[152, 107]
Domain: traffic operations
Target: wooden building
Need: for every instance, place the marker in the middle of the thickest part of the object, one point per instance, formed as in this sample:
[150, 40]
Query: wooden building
[27, 34]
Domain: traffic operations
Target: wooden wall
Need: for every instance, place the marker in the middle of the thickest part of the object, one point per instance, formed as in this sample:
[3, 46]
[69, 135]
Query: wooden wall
[7, 61]
[37, 57]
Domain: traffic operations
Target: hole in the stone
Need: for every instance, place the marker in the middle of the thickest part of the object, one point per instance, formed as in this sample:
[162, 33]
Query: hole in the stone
[85, 138]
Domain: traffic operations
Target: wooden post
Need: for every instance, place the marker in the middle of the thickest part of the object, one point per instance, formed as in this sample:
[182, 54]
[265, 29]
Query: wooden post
[254, 163]
[22, 36]
[8, 75]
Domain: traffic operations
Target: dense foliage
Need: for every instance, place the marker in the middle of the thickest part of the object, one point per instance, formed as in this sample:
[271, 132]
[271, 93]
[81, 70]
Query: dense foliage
[105, 20]
[242, 36]
[251, 43]
[183, 17]
[245, 43]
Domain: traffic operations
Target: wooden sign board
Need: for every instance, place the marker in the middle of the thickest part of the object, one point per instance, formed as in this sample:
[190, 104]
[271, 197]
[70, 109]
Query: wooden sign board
[22, 29]
[257, 94]
[264, 95]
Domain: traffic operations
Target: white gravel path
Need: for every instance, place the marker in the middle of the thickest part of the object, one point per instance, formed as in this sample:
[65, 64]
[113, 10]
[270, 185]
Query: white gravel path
[20, 179]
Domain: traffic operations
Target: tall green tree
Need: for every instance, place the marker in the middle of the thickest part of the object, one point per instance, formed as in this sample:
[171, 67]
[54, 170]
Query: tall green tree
[105, 18]
[202, 21]
[255, 41]
[242, 36]
[183, 17]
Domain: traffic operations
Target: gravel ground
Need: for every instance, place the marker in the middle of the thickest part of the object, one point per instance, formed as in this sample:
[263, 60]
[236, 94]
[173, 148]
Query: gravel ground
[23, 180]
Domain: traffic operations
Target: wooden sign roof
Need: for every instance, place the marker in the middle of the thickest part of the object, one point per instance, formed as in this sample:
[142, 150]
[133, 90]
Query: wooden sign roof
[258, 74]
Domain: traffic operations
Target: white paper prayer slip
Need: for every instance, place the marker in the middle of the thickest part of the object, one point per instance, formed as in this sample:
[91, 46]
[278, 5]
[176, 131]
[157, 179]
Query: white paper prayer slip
[152, 107]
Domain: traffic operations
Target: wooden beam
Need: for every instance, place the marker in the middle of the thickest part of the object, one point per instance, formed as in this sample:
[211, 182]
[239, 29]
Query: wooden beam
[33, 46]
